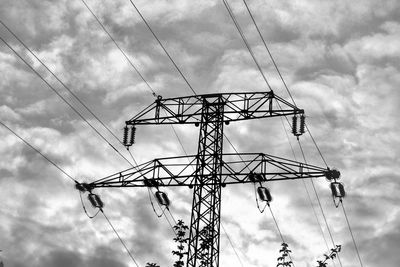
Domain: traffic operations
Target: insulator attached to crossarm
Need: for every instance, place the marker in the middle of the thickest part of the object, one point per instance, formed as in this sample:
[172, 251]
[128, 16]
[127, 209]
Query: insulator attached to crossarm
[129, 136]
[338, 192]
[126, 132]
[298, 128]
[95, 201]
[162, 198]
[264, 194]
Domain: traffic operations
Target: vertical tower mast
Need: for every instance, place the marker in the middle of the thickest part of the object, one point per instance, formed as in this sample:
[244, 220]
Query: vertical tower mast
[205, 219]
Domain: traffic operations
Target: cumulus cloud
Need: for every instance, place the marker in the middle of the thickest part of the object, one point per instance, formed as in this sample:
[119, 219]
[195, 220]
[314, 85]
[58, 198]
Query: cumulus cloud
[339, 59]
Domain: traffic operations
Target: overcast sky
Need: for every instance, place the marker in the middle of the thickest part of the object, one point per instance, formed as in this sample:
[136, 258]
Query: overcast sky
[340, 60]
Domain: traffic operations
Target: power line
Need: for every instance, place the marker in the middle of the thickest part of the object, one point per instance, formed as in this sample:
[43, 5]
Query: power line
[269, 53]
[279, 230]
[290, 95]
[38, 151]
[162, 46]
[70, 177]
[280, 75]
[176, 67]
[232, 15]
[233, 247]
[315, 143]
[73, 108]
[116, 44]
[351, 233]
[120, 239]
[61, 82]
[150, 88]
[320, 205]
[62, 98]
[307, 191]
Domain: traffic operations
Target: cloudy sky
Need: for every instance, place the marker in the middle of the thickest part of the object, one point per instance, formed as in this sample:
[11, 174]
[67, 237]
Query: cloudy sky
[340, 60]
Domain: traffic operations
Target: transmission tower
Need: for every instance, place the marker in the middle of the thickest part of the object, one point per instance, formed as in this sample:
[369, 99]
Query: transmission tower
[210, 169]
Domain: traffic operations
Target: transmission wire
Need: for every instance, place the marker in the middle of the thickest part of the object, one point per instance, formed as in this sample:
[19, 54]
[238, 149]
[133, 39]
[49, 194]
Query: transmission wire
[73, 108]
[279, 230]
[280, 75]
[176, 67]
[38, 151]
[351, 233]
[290, 95]
[62, 98]
[231, 243]
[320, 205]
[192, 89]
[269, 53]
[120, 239]
[61, 82]
[116, 44]
[306, 189]
[232, 15]
[70, 177]
[162, 46]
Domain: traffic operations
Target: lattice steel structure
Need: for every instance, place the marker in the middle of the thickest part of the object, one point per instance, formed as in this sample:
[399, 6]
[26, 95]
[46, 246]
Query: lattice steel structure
[210, 169]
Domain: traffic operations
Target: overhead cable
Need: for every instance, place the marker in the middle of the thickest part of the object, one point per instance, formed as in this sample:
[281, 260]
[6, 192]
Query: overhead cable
[319, 204]
[279, 230]
[63, 99]
[351, 233]
[148, 85]
[306, 189]
[232, 15]
[70, 177]
[116, 44]
[290, 95]
[61, 82]
[38, 151]
[265, 45]
[162, 46]
[176, 67]
[231, 243]
[120, 239]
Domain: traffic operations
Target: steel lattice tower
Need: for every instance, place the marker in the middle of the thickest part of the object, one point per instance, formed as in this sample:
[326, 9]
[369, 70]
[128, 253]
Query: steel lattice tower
[210, 169]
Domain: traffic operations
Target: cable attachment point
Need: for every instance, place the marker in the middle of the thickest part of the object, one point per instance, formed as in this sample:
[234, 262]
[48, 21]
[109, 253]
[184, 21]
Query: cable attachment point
[129, 136]
[83, 187]
[256, 177]
[298, 127]
[332, 175]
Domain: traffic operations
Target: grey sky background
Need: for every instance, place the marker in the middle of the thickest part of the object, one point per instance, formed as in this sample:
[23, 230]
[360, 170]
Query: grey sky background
[339, 58]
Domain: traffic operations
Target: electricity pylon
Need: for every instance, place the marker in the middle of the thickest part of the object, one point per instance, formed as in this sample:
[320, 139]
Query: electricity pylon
[210, 169]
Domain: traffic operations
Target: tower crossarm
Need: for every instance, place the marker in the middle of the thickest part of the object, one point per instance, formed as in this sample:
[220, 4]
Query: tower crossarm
[181, 171]
[237, 106]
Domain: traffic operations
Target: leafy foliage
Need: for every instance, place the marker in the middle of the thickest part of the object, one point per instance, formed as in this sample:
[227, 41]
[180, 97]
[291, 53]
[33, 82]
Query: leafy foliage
[333, 254]
[284, 259]
[180, 229]
[181, 240]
